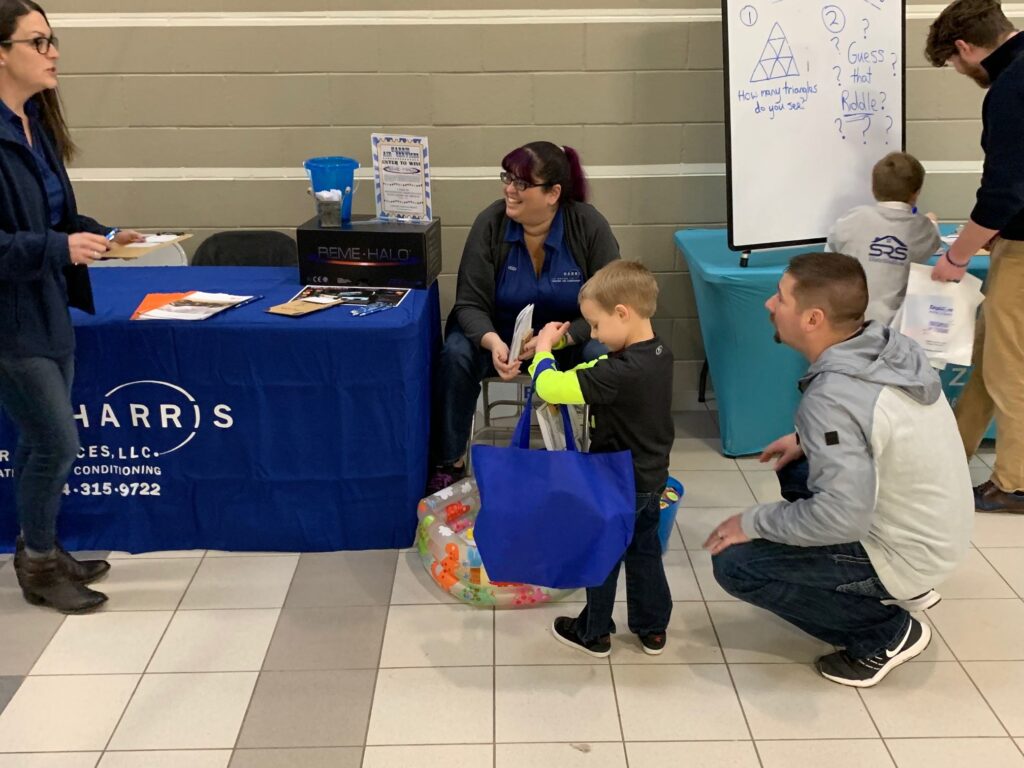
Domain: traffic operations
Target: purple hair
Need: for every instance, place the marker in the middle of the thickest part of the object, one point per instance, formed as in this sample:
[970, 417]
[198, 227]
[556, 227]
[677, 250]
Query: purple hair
[550, 164]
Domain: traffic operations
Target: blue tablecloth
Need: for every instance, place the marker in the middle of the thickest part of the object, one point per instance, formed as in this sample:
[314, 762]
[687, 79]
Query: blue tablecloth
[247, 431]
[755, 379]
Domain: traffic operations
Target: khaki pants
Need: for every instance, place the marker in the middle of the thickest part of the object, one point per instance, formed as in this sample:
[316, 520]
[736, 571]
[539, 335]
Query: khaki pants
[996, 386]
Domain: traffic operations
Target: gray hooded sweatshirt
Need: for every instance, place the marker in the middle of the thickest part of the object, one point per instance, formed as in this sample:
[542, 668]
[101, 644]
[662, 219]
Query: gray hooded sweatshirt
[886, 238]
[887, 466]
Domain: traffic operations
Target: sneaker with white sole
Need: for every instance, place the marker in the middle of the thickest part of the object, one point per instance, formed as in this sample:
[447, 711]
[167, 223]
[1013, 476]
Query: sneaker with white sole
[653, 644]
[922, 602]
[564, 630]
[840, 667]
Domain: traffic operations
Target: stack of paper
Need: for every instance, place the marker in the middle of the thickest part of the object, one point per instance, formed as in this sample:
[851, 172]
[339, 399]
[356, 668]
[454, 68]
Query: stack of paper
[524, 327]
[152, 240]
[552, 428]
[194, 305]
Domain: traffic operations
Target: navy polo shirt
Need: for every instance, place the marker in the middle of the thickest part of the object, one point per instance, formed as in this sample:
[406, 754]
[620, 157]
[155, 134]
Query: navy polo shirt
[554, 293]
[51, 182]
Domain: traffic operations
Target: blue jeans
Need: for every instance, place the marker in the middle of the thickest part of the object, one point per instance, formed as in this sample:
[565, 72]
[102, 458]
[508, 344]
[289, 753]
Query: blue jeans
[36, 393]
[832, 592]
[460, 370]
[648, 600]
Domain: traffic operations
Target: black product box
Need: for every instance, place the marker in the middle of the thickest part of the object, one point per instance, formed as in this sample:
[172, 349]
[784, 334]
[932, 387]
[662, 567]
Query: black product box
[367, 251]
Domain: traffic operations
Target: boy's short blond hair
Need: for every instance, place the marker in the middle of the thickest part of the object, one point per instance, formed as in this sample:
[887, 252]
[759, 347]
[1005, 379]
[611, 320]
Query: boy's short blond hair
[623, 282]
[896, 178]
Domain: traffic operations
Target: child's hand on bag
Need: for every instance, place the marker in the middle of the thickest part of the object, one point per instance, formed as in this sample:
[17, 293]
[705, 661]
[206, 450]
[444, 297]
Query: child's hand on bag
[550, 335]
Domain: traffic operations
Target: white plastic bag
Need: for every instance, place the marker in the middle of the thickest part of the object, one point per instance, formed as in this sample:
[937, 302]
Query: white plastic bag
[940, 316]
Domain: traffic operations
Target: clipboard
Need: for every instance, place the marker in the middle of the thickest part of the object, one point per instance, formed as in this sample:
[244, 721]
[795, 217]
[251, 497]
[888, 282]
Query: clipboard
[128, 252]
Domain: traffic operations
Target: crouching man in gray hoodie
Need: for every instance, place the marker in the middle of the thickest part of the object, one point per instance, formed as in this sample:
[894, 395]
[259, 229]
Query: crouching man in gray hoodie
[879, 505]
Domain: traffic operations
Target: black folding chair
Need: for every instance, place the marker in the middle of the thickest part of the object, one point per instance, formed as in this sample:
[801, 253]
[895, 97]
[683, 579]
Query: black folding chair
[246, 248]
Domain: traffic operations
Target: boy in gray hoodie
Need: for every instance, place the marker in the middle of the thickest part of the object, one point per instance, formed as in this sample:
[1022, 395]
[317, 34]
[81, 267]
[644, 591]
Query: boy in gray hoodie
[886, 238]
[868, 526]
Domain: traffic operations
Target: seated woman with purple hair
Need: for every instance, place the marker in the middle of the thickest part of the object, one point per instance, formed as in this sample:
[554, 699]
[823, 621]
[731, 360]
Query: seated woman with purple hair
[537, 245]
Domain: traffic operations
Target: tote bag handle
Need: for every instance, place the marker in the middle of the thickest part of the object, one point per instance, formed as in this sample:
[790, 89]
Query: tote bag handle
[521, 435]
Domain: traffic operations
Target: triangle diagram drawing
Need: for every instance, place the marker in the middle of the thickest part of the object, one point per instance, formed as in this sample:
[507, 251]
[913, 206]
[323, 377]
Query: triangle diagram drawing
[776, 60]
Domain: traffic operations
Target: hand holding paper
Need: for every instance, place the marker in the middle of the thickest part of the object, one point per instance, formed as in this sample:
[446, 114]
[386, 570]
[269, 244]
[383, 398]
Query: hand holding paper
[506, 367]
[529, 346]
[523, 327]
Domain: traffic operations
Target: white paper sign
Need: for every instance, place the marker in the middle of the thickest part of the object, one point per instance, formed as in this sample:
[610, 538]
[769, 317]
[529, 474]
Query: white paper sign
[401, 177]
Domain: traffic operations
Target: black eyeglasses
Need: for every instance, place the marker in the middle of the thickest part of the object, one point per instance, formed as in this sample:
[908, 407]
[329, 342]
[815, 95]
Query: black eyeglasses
[41, 44]
[507, 178]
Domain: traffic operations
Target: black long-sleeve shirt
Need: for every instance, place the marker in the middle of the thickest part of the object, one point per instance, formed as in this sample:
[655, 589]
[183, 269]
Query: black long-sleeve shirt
[1000, 202]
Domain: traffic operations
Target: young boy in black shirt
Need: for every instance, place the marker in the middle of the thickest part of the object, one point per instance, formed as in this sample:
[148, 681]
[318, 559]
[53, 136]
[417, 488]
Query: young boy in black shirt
[630, 396]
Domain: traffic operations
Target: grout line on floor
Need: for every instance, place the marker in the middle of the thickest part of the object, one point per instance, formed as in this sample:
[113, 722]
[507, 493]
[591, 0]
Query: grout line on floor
[380, 654]
[142, 676]
[998, 572]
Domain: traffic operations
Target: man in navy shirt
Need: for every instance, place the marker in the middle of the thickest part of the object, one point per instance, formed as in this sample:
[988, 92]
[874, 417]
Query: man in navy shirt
[980, 42]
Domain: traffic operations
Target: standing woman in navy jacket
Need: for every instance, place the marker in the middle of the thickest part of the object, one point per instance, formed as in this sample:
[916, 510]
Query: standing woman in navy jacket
[45, 248]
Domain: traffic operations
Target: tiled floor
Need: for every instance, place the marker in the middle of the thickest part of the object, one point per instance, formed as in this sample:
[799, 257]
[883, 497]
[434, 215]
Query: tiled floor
[204, 660]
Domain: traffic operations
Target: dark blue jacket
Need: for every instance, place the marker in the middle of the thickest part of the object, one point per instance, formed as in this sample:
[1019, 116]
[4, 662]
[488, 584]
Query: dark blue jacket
[1000, 203]
[37, 279]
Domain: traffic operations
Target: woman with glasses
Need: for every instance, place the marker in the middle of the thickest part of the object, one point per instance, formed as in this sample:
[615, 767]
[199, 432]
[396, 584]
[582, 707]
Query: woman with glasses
[537, 245]
[45, 247]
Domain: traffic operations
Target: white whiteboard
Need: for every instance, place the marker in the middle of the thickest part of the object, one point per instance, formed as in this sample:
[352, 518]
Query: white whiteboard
[814, 98]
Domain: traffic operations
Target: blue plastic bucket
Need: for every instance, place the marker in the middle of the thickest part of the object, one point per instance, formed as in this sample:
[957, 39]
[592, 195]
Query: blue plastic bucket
[670, 498]
[327, 173]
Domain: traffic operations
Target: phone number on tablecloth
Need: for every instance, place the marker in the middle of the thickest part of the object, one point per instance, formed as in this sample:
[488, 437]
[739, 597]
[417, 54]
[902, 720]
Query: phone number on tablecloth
[113, 489]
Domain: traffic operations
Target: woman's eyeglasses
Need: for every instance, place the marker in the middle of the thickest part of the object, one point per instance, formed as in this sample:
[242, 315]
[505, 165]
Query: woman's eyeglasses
[507, 178]
[41, 44]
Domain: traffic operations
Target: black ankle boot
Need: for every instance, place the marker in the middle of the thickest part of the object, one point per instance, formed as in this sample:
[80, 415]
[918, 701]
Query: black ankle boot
[43, 582]
[82, 571]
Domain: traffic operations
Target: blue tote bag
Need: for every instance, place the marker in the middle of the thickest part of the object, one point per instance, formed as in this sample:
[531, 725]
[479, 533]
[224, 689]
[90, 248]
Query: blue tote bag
[558, 519]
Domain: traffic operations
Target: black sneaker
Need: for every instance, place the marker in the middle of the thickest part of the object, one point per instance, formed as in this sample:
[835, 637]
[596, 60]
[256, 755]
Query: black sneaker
[842, 668]
[444, 475]
[653, 644]
[564, 630]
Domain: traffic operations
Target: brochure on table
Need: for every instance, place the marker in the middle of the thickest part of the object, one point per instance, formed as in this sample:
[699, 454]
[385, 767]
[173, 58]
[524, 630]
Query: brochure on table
[401, 177]
[360, 300]
[193, 305]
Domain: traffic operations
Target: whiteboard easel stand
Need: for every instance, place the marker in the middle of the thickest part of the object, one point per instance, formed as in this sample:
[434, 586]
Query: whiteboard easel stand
[745, 259]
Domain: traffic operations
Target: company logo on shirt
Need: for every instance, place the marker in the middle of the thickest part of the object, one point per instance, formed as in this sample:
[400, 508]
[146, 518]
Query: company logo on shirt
[888, 248]
[569, 276]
